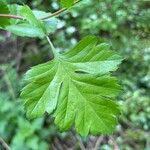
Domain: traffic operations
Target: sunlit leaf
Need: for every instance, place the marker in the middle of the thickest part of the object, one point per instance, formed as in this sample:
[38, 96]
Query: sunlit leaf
[77, 88]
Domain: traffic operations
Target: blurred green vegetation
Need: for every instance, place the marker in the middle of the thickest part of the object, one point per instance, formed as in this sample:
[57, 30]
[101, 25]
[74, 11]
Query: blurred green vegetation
[125, 25]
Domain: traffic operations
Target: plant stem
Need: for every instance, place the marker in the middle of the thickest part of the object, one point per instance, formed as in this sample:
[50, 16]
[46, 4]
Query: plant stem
[57, 12]
[4, 144]
[42, 18]
[11, 16]
[98, 142]
[52, 46]
[80, 142]
[53, 14]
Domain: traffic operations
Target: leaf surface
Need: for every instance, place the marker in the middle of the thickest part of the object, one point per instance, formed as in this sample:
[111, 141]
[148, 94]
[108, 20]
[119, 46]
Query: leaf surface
[67, 3]
[25, 30]
[26, 12]
[76, 88]
[31, 26]
[4, 10]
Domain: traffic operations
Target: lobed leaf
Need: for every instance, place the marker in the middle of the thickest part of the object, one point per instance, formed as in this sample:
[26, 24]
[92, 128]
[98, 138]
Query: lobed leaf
[76, 88]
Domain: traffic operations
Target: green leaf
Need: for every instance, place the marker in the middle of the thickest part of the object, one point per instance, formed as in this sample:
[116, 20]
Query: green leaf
[26, 12]
[31, 26]
[67, 3]
[4, 10]
[50, 23]
[25, 30]
[77, 88]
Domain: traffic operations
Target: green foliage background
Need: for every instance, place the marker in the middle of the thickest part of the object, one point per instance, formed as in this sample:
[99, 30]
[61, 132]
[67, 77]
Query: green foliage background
[125, 25]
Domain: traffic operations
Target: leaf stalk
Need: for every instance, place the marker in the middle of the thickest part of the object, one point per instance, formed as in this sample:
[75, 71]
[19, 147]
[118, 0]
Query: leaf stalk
[52, 46]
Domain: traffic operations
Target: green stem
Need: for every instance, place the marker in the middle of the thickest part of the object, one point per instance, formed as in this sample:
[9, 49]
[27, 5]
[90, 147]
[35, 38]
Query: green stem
[57, 12]
[52, 46]
[53, 14]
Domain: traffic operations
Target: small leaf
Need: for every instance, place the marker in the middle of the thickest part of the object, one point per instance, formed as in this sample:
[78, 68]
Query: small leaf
[31, 26]
[77, 88]
[4, 10]
[28, 14]
[25, 30]
[50, 24]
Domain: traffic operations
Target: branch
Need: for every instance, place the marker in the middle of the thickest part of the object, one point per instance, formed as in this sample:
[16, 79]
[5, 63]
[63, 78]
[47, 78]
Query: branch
[50, 15]
[82, 147]
[78, 140]
[114, 143]
[11, 16]
[53, 14]
[4, 144]
[98, 142]
[42, 18]
[58, 12]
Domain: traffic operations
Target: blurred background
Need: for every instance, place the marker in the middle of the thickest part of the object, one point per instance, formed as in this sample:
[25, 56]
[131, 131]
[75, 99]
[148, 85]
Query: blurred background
[125, 25]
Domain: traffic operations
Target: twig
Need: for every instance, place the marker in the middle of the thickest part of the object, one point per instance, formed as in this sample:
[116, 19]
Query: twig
[82, 147]
[53, 14]
[112, 140]
[4, 144]
[42, 18]
[98, 142]
[11, 16]
[57, 12]
[78, 139]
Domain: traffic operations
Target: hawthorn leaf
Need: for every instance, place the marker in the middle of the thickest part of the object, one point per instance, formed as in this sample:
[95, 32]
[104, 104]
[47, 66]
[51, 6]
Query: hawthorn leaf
[77, 88]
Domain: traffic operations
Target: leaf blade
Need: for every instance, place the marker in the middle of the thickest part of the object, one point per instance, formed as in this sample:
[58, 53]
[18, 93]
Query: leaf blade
[79, 92]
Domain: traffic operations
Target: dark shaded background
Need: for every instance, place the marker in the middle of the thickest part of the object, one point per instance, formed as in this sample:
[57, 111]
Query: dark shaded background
[125, 25]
